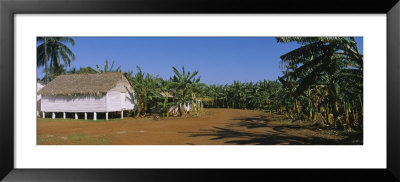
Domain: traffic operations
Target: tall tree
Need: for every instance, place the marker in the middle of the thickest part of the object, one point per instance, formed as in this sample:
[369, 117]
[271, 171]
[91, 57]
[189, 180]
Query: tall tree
[45, 60]
[53, 49]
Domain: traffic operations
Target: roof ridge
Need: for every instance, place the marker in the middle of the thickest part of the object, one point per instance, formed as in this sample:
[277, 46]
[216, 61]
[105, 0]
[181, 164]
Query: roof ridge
[90, 83]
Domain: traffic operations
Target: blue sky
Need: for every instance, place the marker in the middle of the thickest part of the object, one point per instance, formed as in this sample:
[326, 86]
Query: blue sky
[219, 60]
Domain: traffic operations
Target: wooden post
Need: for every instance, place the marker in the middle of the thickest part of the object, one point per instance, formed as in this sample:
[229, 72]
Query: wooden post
[122, 114]
[64, 115]
[94, 116]
[76, 115]
[44, 115]
[106, 115]
[53, 115]
[85, 116]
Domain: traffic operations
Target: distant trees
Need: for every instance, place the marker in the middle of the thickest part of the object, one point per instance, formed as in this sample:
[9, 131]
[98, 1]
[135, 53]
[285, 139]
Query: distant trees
[89, 69]
[107, 69]
[261, 95]
[55, 71]
[82, 70]
[61, 69]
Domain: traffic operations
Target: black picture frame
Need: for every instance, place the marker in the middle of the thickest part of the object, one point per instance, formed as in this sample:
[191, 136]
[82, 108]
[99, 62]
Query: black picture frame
[8, 8]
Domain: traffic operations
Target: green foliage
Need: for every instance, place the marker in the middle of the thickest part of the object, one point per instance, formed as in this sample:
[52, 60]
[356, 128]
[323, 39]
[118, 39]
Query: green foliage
[155, 95]
[324, 77]
[321, 81]
[261, 95]
[82, 70]
[53, 50]
[186, 86]
[55, 71]
[106, 69]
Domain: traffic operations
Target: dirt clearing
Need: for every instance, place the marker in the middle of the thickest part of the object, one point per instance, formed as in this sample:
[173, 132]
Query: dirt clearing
[217, 127]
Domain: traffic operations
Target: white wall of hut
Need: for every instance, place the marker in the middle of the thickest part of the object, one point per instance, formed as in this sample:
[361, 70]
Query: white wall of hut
[119, 98]
[38, 97]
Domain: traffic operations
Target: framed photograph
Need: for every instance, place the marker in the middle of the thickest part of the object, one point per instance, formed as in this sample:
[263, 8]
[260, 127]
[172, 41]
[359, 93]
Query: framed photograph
[176, 90]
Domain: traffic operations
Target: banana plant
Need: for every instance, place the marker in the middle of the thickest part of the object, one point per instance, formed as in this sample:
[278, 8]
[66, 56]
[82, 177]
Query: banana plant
[184, 84]
[106, 69]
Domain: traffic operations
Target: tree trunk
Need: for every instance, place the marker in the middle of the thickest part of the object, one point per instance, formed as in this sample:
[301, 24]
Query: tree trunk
[181, 110]
[138, 112]
[334, 113]
[46, 66]
[139, 109]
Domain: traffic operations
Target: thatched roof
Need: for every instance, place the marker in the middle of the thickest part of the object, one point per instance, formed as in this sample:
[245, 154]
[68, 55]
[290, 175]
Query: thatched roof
[40, 81]
[82, 84]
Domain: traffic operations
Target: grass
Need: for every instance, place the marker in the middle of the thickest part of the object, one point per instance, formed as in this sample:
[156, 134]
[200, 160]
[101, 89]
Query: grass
[73, 139]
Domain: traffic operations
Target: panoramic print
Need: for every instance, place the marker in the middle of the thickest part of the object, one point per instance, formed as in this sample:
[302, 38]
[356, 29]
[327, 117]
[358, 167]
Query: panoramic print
[199, 90]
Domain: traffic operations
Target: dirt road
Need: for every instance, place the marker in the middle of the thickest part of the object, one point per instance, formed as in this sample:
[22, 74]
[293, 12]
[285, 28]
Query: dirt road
[217, 127]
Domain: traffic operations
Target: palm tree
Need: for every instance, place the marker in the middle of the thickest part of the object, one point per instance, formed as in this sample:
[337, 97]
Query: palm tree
[54, 49]
[45, 58]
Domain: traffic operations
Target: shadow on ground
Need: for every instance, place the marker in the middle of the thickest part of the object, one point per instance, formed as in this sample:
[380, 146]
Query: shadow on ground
[251, 122]
[237, 134]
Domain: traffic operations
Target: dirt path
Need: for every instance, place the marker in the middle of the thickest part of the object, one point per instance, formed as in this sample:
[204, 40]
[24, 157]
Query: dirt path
[217, 127]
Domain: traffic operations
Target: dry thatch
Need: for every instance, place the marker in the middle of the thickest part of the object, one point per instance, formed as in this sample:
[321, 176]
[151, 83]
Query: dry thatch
[40, 81]
[82, 84]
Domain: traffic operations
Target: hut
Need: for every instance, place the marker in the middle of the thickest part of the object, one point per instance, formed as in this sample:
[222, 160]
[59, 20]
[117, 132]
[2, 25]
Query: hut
[39, 86]
[88, 93]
